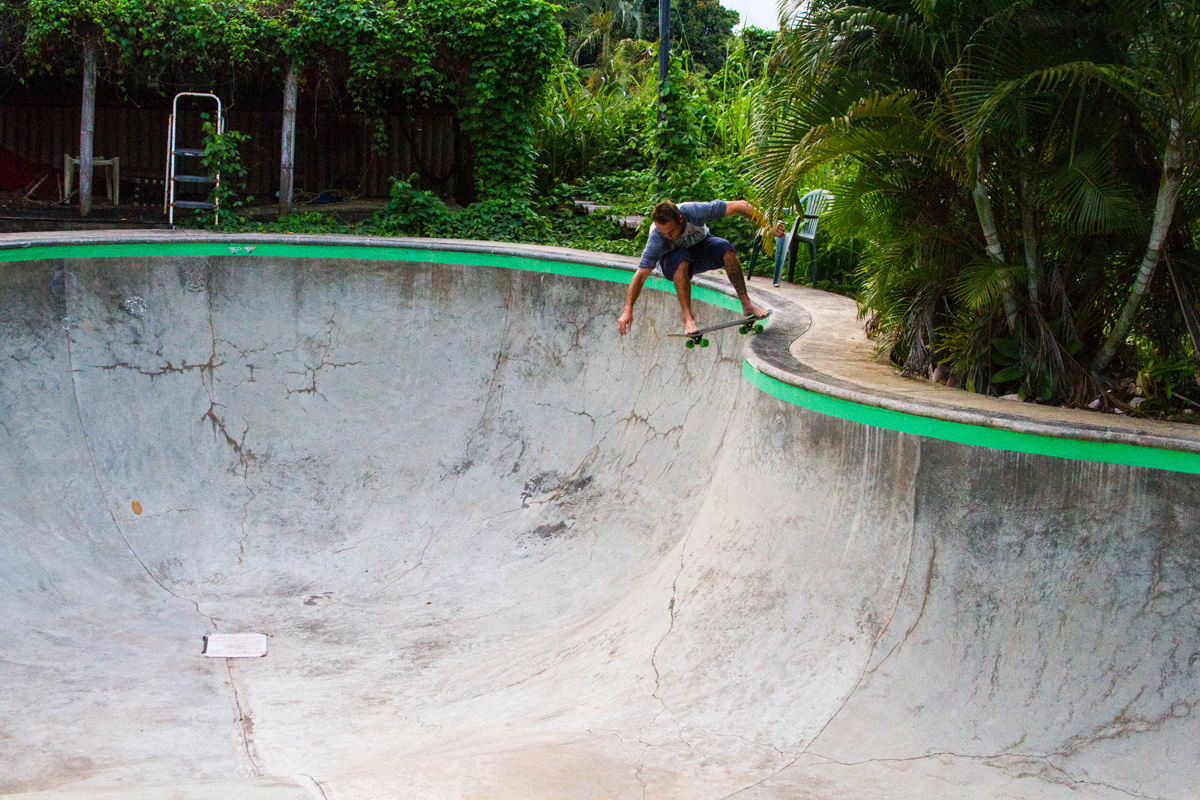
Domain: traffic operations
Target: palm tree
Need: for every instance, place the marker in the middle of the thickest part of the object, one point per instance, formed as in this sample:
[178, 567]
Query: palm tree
[1167, 52]
[988, 145]
[598, 25]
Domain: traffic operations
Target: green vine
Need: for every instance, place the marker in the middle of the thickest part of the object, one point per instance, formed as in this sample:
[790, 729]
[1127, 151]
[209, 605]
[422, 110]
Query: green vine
[492, 58]
[138, 42]
[221, 156]
[514, 46]
[677, 139]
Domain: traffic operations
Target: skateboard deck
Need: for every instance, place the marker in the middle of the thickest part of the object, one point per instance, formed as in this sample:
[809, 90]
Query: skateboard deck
[746, 325]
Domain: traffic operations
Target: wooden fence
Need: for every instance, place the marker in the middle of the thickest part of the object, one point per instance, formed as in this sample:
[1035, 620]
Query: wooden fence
[333, 151]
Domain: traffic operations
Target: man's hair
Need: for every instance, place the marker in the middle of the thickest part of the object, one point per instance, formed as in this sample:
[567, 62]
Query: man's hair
[665, 212]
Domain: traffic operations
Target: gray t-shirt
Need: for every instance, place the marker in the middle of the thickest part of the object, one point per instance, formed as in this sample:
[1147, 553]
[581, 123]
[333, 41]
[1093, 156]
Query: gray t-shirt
[694, 230]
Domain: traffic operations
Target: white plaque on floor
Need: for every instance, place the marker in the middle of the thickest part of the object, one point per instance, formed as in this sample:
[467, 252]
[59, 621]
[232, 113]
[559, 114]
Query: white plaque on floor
[235, 645]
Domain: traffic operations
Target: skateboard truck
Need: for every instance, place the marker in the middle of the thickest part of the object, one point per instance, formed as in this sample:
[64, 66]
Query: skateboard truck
[744, 326]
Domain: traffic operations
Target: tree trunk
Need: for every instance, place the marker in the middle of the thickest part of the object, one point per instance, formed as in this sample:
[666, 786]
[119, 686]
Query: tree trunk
[287, 159]
[87, 127]
[1033, 241]
[1164, 212]
[987, 221]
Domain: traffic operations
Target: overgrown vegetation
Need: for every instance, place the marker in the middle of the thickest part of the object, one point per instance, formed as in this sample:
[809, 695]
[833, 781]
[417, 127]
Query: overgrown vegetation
[1016, 204]
[220, 156]
[491, 58]
[1015, 174]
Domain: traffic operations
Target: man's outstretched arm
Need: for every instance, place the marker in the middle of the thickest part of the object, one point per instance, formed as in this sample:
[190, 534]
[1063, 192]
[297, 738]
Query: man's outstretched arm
[625, 321]
[743, 209]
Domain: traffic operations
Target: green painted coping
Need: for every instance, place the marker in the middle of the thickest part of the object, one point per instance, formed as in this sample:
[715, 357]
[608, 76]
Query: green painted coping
[976, 435]
[365, 252]
[962, 433]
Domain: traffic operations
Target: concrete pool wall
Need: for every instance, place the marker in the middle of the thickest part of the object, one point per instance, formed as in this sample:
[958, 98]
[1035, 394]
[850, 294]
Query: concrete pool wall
[501, 551]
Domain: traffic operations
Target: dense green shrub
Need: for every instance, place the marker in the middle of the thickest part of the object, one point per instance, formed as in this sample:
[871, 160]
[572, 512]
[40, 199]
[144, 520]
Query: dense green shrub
[1009, 173]
[491, 58]
[413, 212]
[514, 46]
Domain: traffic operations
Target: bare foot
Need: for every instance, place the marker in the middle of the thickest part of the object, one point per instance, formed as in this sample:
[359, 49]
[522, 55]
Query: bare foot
[690, 326]
[752, 310]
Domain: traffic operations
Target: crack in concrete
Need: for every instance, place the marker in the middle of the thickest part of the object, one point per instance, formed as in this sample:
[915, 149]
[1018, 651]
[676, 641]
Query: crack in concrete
[457, 473]
[244, 455]
[323, 348]
[169, 367]
[168, 512]
[238, 446]
[912, 542]
[312, 373]
[560, 658]
[672, 605]
[1123, 724]
[166, 369]
[245, 723]
[671, 610]
[920, 612]
[317, 784]
[566, 410]
[424, 549]
[770, 777]
[756, 743]
[212, 621]
[1067, 778]
[870, 655]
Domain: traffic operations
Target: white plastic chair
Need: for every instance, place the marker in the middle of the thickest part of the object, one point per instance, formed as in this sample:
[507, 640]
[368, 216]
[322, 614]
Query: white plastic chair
[804, 229]
[815, 203]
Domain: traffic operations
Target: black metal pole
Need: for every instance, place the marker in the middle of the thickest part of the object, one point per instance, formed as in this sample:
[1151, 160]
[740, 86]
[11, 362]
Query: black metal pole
[664, 54]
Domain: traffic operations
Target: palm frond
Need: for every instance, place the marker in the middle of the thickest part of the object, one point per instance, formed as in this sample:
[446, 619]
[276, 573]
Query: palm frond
[1090, 196]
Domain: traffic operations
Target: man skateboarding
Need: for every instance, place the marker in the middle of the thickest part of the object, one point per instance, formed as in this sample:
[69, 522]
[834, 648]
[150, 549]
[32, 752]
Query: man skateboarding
[680, 243]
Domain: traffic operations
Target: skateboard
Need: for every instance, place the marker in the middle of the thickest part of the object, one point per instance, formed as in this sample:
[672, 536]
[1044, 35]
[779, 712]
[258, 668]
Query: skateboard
[746, 325]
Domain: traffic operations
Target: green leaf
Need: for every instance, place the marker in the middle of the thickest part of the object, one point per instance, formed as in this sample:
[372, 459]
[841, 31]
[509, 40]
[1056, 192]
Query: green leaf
[1007, 374]
[1008, 348]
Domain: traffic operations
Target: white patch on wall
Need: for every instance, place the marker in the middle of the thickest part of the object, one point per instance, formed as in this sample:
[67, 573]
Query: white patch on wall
[235, 645]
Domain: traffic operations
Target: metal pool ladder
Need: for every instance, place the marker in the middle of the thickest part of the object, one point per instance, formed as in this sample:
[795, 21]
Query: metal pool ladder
[174, 152]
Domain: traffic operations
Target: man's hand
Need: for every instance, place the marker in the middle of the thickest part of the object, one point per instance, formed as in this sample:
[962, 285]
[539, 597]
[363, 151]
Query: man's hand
[625, 321]
[778, 230]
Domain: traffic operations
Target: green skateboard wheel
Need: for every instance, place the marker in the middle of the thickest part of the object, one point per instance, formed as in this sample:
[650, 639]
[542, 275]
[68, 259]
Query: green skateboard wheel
[758, 328]
[690, 344]
[704, 342]
[744, 329]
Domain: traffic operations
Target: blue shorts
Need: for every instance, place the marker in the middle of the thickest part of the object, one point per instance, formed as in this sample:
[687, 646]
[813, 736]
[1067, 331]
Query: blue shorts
[704, 255]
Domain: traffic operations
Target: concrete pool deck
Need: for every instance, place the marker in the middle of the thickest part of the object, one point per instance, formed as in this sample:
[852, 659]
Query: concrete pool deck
[525, 557]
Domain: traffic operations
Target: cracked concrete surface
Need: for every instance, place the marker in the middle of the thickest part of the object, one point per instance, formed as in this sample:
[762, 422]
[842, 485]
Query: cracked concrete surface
[524, 557]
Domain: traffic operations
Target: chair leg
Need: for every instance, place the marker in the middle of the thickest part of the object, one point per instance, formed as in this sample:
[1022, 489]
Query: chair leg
[812, 262]
[780, 251]
[68, 176]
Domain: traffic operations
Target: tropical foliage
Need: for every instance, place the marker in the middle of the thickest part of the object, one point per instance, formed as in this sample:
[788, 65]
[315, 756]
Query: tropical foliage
[1017, 207]
[491, 58]
[703, 28]
[1014, 171]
